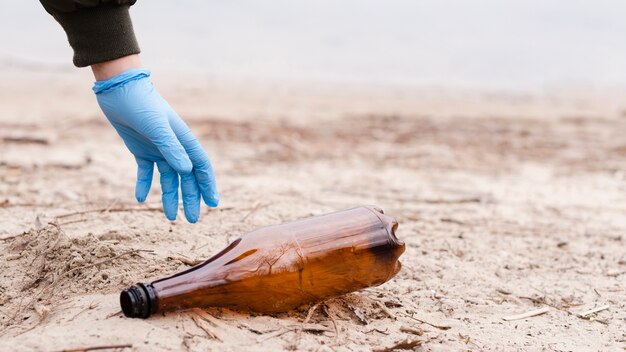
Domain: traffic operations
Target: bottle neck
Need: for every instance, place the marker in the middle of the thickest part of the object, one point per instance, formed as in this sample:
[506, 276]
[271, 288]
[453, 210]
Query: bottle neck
[138, 301]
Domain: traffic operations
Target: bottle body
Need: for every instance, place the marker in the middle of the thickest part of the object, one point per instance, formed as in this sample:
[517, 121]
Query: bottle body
[280, 267]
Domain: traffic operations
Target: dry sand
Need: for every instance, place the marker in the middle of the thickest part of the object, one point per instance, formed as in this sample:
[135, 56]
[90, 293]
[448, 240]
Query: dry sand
[508, 203]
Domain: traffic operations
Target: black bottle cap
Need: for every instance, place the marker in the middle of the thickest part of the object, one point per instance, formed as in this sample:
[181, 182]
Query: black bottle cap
[138, 301]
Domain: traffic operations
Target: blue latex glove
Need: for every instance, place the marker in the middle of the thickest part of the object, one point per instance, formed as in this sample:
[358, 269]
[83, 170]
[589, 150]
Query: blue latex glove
[154, 133]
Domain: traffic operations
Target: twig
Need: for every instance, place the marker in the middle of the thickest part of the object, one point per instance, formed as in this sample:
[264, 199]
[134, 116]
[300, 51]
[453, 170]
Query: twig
[186, 338]
[467, 340]
[532, 313]
[6, 203]
[407, 344]
[385, 310]
[25, 140]
[94, 348]
[312, 327]
[275, 334]
[71, 222]
[457, 253]
[92, 305]
[255, 331]
[4, 313]
[299, 330]
[208, 317]
[254, 209]
[384, 332]
[309, 315]
[592, 311]
[186, 261]
[108, 209]
[453, 201]
[332, 318]
[440, 327]
[113, 314]
[296, 329]
[113, 203]
[411, 330]
[583, 315]
[65, 166]
[12, 236]
[202, 324]
[452, 221]
[360, 315]
[503, 291]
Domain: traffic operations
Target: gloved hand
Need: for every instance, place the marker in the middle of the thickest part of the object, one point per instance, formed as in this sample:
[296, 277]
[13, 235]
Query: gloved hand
[154, 133]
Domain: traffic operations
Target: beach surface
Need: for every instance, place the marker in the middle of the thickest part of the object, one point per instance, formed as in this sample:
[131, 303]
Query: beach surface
[508, 203]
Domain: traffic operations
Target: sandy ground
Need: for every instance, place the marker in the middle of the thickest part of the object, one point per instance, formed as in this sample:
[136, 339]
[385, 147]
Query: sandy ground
[508, 203]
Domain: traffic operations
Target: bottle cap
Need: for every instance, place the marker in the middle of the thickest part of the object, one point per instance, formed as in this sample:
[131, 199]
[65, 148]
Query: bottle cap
[138, 301]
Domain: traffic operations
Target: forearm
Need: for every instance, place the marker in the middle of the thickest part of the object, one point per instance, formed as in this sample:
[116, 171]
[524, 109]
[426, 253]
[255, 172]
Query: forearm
[110, 69]
[98, 30]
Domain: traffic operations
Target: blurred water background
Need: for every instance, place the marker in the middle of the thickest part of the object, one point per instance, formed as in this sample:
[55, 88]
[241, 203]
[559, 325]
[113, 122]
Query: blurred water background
[509, 44]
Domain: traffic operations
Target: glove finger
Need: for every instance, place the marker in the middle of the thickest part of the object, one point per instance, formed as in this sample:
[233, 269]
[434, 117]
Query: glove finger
[203, 169]
[169, 187]
[145, 169]
[191, 197]
[206, 182]
[161, 134]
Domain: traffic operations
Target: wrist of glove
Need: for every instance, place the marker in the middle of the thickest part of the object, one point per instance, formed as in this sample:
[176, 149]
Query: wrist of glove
[155, 134]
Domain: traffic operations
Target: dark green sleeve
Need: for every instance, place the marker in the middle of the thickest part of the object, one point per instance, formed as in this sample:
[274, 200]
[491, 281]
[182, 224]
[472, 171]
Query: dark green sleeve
[98, 30]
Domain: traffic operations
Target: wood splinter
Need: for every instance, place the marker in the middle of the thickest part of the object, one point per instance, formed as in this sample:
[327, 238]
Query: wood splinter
[202, 324]
[532, 313]
[586, 314]
[95, 348]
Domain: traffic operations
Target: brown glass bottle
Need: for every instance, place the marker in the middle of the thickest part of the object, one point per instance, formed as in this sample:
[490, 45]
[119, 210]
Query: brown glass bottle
[280, 267]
